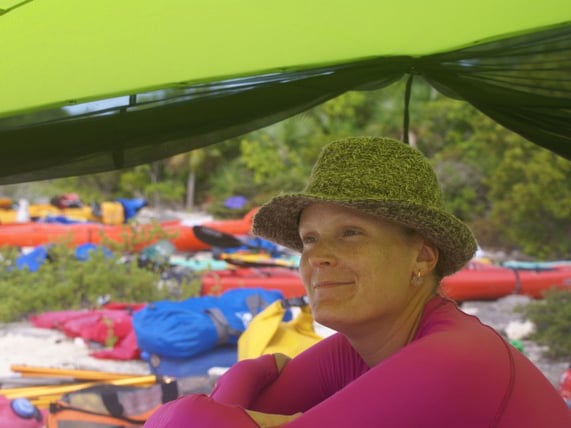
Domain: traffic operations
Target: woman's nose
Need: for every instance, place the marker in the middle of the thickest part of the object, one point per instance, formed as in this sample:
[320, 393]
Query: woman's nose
[321, 254]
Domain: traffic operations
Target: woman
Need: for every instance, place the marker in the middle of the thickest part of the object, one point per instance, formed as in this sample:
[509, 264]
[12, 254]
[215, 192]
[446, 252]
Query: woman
[375, 242]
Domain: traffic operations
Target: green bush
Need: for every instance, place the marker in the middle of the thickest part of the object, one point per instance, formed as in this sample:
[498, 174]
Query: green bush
[552, 319]
[135, 236]
[63, 283]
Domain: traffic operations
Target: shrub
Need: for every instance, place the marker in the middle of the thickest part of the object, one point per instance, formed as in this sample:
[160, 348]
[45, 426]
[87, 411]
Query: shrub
[62, 282]
[134, 236]
[552, 318]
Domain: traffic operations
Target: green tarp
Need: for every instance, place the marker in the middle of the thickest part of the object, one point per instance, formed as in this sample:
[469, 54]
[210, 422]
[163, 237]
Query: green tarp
[185, 74]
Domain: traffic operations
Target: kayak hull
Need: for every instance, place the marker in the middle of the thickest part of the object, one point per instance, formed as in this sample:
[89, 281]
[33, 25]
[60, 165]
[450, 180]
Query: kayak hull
[475, 282]
[271, 278]
[488, 282]
[181, 235]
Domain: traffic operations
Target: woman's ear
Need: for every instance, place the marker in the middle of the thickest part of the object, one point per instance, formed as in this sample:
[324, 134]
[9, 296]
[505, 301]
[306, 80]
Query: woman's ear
[427, 257]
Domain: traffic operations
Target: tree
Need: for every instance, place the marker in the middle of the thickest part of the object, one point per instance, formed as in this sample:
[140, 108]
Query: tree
[532, 201]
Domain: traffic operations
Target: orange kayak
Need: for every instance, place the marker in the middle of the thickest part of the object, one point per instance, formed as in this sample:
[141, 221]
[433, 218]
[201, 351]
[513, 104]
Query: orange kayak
[271, 278]
[480, 281]
[32, 234]
[477, 281]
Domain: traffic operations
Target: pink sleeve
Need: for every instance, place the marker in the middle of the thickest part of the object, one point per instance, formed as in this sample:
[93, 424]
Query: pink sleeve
[233, 393]
[199, 410]
[242, 384]
[321, 370]
[445, 380]
[416, 387]
[457, 373]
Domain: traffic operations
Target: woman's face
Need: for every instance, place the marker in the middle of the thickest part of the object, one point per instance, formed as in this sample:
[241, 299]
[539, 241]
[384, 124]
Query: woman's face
[357, 269]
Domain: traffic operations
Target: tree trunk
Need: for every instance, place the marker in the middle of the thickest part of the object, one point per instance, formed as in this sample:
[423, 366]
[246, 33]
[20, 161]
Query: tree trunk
[190, 185]
[155, 180]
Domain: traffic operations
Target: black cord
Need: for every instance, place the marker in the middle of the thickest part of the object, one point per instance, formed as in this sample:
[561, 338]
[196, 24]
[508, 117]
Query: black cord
[406, 108]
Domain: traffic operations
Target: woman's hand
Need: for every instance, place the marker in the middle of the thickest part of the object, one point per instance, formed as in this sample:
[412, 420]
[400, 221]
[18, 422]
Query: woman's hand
[270, 420]
[242, 384]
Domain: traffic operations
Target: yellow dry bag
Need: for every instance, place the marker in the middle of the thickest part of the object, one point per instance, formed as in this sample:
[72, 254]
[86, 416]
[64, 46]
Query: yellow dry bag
[267, 333]
[112, 213]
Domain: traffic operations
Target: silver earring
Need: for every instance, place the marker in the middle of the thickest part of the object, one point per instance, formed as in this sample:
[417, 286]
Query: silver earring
[417, 280]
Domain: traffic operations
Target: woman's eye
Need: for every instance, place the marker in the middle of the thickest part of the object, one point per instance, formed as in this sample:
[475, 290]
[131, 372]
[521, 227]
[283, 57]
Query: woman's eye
[351, 232]
[308, 239]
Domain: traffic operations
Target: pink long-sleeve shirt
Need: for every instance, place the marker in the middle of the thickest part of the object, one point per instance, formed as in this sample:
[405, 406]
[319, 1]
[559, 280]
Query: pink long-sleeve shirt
[456, 372]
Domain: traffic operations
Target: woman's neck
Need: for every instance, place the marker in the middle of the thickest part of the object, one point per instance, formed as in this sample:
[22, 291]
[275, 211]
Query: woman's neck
[380, 343]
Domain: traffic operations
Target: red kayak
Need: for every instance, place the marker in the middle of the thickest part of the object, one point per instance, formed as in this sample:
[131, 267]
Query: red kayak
[481, 281]
[478, 281]
[271, 278]
[33, 234]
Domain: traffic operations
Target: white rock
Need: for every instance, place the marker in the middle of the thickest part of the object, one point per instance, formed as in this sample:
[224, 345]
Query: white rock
[517, 330]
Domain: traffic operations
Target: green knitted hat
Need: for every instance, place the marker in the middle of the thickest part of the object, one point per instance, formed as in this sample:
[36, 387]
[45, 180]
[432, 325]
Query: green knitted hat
[379, 176]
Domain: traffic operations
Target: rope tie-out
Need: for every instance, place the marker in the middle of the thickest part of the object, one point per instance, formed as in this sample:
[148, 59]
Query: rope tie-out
[17, 5]
[406, 108]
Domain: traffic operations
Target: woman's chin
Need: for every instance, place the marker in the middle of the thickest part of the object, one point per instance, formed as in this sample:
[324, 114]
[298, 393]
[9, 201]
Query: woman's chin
[333, 319]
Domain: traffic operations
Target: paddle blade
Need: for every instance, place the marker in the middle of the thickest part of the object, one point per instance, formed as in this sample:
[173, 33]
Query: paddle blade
[245, 262]
[216, 238]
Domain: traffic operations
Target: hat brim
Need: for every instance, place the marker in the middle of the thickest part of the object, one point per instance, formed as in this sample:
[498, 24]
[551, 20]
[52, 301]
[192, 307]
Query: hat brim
[278, 221]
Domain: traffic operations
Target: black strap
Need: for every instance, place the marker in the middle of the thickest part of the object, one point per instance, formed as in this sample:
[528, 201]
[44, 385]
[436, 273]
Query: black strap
[406, 114]
[255, 303]
[517, 289]
[112, 404]
[170, 391]
[59, 407]
[299, 301]
[223, 329]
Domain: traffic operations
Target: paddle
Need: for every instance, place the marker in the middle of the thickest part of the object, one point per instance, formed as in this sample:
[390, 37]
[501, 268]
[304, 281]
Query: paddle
[219, 239]
[258, 263]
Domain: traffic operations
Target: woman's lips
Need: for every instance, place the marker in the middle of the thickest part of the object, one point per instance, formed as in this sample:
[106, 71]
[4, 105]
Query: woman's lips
[329, 284]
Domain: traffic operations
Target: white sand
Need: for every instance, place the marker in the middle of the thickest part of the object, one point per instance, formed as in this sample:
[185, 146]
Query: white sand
[24, 344]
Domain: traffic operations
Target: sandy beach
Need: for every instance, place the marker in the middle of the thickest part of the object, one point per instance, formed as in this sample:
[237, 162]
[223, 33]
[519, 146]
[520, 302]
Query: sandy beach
[23, 344]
